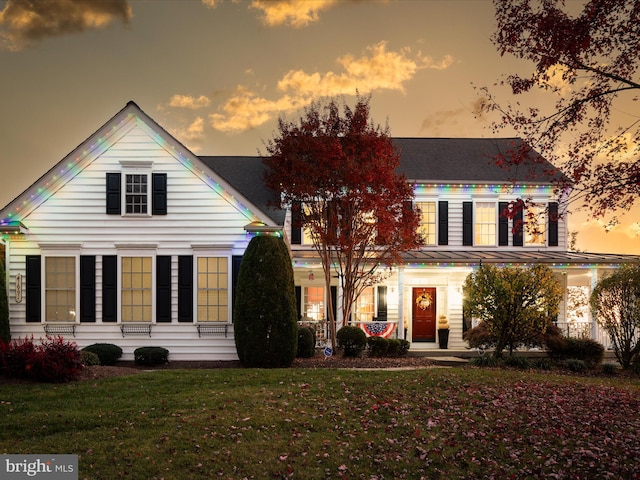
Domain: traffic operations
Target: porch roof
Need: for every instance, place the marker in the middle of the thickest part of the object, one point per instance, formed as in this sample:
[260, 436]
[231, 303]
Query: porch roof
[524, 256]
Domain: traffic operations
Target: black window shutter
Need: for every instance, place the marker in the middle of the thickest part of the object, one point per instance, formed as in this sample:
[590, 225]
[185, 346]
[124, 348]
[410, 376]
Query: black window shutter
[236, 261]
[33, 287]
[159, 194]
[518, 228]
[467, 223]
[382, 303]
[334, 302]
[163, 289]
[296, 217]
[113, 193]
[299, 301]
[503, 224]
[109, 288]
[553, 224]
[443, 223]
[87, 288]
[185, 288]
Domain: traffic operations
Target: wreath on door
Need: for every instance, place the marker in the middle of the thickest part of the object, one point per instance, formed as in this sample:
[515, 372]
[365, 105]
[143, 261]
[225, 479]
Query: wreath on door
[424, 301]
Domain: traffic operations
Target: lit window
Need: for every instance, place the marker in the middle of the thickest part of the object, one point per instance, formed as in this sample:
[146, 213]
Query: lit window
[137, 290]
[213, 290]
[136, 194]
[60, 288]
[485, 223]
[313, 303]
[364, 306]
[427, 222]
[535, 225]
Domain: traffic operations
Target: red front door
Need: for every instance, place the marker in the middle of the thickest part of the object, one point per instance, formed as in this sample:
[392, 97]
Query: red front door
[424, 314]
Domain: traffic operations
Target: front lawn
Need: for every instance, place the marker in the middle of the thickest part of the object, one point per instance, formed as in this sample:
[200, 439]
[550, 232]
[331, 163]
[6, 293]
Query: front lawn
[318, 424]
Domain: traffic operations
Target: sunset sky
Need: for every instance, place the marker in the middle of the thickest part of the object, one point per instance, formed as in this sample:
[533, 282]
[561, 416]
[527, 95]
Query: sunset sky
[217, 74]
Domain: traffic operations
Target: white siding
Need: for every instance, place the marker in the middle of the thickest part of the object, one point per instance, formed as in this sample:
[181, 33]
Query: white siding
[197, 214]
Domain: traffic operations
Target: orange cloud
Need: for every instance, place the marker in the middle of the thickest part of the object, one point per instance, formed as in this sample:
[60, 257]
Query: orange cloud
[25, 22]
[377, 69]
[295, 13]
[187, 101]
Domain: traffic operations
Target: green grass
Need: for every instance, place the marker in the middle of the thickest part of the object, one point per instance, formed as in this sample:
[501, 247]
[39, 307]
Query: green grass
[317, 424]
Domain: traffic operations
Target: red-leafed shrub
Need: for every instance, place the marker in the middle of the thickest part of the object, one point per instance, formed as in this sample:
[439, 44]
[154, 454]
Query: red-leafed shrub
[51, 360]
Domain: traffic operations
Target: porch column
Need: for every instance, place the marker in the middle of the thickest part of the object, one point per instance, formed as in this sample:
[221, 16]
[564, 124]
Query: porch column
[594, 283]
[400, 293]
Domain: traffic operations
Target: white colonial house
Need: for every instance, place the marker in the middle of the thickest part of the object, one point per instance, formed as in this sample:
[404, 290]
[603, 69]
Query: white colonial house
[132, 239]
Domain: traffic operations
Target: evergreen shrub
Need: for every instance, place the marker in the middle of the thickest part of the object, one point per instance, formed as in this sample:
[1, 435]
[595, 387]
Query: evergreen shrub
[5, 332]
[151, 356]
[89, 358]
[265, 314]
[378, 346]
[306, 342]
[108, 353]
[352, 340]
[585, 349]
[576, 365]
[404, 347]
[394, 347]
[516, 361]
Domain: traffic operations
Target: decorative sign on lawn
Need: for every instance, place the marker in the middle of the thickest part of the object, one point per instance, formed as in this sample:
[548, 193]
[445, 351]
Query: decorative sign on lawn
[328, 351]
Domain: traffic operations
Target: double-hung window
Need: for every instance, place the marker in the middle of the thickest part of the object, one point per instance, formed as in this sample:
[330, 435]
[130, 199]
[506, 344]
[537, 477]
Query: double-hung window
[60, 289]
[213, 289]
[313, 303]
[365, 308]
[485, 223]
[535, 225]
[428, 221]
[137, 289]
[136, 197]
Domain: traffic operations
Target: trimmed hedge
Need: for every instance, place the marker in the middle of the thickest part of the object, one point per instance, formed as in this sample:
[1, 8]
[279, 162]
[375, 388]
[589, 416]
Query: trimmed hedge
[108, 353]
[306, 342]
[352, 340]
[585, 349]
[151, 356]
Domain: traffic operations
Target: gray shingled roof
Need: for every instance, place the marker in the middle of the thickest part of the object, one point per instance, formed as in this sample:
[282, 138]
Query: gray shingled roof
[466, 160]
[245, 174]
[460, 160]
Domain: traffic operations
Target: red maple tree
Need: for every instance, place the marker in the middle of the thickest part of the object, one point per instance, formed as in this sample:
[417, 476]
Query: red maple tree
[588, 63]
[337, 172]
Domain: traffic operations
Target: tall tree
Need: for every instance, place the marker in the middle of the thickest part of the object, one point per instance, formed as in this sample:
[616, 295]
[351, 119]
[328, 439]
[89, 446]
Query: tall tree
[587, 64]
[616, 306]
[515, 305]
[337, 172]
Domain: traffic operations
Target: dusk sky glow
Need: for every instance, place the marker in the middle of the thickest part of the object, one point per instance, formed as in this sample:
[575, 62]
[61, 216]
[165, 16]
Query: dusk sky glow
[217, 74]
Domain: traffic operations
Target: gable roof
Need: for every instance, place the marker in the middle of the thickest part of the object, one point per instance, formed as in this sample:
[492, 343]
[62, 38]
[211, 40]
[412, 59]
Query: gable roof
[469, 160]
[100, 141]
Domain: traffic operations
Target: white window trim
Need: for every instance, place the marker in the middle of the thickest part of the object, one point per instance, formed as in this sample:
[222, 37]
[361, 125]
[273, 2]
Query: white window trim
[135, 167]
[207, 251]
[493, 201]
[544, 205]
[433, 200]
[136, 250]
[59, 250]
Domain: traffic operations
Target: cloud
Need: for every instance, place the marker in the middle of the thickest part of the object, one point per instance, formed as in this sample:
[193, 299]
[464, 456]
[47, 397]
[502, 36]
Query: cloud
[377, 69]
[192, 135]
[295, 13]
[187, 101]
[24, 23]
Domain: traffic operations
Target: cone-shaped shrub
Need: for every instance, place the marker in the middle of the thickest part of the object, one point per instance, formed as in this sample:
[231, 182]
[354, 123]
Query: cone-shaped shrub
[265, 316]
